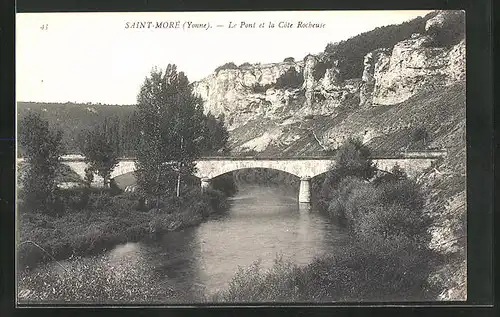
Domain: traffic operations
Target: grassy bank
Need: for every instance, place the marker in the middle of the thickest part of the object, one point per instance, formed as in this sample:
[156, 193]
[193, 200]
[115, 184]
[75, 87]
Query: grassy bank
[107, 221]
[388, 258]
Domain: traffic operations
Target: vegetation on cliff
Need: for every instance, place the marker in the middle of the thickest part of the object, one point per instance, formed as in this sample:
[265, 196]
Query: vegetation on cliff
[350, 53]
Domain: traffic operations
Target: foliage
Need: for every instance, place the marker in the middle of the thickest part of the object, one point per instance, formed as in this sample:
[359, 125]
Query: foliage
[43, 151]
[420, 134]
[352, 158]
[289, 60]
[290, 79]
[215, 135]
[74, 118]
[320, 69]
[396, 174]
[106, 221]
[229, 65]
[100, 154]
[172, 130]
[245, 64]
[258, 88]
[451, 32]
[351, 52]
[371, 270]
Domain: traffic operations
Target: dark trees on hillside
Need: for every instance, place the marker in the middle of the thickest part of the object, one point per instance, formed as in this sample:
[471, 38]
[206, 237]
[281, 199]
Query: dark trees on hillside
[43, 149]
[351, 52]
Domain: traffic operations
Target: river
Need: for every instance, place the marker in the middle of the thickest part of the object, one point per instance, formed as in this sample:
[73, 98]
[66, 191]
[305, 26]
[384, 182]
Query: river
[190, 265]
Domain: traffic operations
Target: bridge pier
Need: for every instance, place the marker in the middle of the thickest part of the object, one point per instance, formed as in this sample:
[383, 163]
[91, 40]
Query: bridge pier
[205, 184]
[305, 190]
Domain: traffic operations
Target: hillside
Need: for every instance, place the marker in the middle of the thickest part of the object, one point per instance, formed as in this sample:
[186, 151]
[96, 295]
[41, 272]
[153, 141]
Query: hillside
[72, 118]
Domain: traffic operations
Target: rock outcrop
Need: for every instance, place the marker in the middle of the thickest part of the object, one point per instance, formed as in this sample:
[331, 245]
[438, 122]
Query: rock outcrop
[412, 66]
[250, 94]
[235, 92]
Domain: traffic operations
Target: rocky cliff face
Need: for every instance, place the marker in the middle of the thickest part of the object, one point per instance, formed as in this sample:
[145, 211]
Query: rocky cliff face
[249, 97]
[233, 93]
[413, 65]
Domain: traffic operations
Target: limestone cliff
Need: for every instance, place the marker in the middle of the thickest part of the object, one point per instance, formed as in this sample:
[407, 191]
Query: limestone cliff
[413, 65]
[265, 117]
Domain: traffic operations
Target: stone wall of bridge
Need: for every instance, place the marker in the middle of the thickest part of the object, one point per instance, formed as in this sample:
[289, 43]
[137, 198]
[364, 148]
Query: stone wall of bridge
[301, 167]
[412, 166]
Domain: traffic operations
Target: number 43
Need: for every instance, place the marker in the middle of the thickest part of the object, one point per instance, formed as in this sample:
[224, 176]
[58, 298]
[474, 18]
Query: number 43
[44, 27]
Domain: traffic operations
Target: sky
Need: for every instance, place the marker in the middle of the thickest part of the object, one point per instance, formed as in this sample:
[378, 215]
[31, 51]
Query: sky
[94, 57]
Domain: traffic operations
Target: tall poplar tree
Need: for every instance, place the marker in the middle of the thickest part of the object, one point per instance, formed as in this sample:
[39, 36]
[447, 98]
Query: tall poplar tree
[171, 131]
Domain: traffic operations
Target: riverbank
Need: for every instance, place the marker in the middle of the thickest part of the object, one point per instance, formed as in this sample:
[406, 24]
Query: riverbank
[387, 258]
[105, 222]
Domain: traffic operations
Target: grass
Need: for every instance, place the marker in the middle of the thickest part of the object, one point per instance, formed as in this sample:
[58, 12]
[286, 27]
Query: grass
[105, 222]
[388, 258]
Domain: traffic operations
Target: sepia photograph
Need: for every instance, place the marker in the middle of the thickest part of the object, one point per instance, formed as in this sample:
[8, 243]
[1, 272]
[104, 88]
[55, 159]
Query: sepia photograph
[244, 157]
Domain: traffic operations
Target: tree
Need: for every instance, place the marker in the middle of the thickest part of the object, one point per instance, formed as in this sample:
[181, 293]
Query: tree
[216, 135]
[420, 134]
[100, 153]
[43, 150]
[172, 131]
[351, 159]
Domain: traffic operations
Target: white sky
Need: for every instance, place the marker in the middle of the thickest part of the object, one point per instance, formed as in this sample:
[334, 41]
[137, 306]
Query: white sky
[91, 57]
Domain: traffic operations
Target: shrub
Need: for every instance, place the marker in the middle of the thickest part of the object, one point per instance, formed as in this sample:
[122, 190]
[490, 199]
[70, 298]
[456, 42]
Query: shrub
[245, 64]
[391, 221]
[395, 175]
[320, 69]
[451, 33]
[229, 65]
[290, 79]
[352, 159]
[100, 201]
[406, 193]
[371, 270]
[351, 52]
[289, 60]
[258, 88]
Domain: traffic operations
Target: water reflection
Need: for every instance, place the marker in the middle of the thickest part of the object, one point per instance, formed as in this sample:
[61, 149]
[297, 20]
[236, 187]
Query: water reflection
[191, 264]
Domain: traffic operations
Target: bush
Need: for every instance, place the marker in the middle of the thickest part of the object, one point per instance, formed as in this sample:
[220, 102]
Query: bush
[351, 52]
[352, 159]
[451, 33]
[371, 270]
[245, 64]
[290, 79]
[406, 193]
[100, 201]
[393, 221]
[395, 175]
[320, 69]
[289, 60]
[260, 89]
[229, 65]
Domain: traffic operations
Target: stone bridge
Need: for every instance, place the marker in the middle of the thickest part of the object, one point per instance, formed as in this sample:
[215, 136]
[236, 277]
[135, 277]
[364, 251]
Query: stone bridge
[413, 163]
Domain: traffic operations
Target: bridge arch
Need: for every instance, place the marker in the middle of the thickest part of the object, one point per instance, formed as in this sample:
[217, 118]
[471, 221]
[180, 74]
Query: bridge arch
[300, 168]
